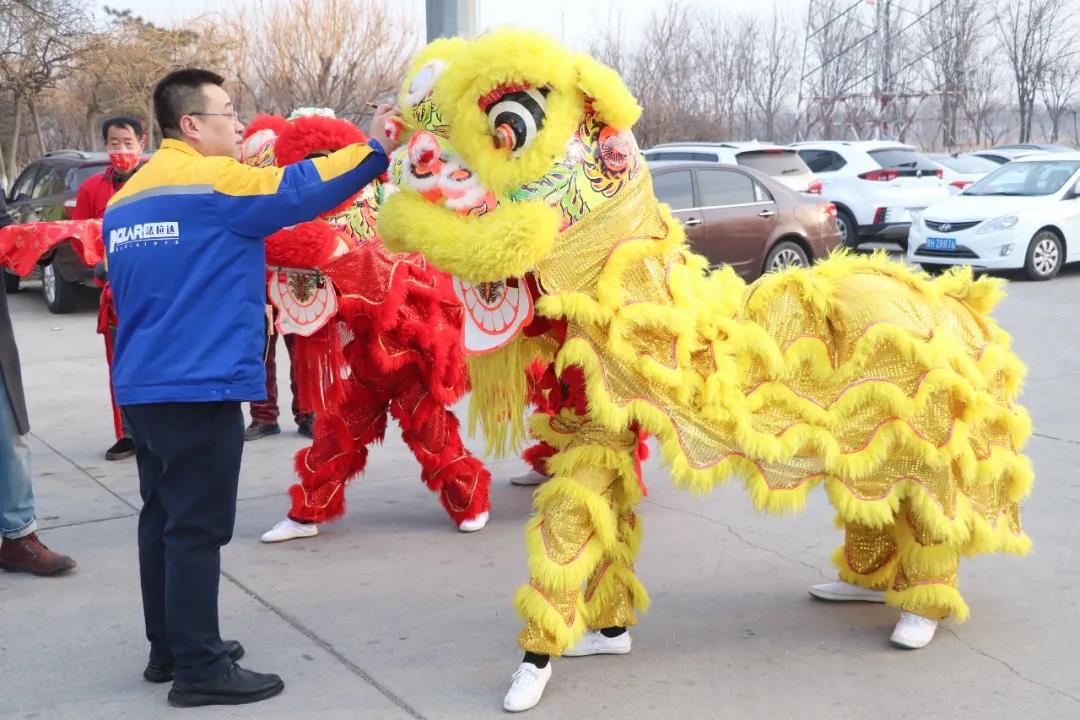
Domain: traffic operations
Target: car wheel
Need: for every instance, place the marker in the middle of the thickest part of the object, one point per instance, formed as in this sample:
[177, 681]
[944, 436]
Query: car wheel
[60, 295]
[1045, 256]
[849, 231]
[11, 282]
[934, 270]
[785, 255]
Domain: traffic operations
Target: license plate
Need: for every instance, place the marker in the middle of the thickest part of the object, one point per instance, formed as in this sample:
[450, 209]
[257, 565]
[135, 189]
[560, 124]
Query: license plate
[945, 244]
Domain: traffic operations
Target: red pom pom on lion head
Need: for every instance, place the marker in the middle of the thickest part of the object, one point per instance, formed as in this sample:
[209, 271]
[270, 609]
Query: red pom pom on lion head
[308, 135]
[313, 135]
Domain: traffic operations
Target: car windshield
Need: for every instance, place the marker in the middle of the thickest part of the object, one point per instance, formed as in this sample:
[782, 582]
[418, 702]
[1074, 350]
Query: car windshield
[775, 163]
[1026, 179]
[902, 158]
[966, 163]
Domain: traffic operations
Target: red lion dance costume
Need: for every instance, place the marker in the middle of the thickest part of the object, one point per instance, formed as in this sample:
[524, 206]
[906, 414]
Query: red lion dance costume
[377, 333]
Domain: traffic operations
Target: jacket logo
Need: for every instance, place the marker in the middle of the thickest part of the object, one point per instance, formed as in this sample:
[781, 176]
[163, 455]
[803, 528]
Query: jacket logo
[142, 233]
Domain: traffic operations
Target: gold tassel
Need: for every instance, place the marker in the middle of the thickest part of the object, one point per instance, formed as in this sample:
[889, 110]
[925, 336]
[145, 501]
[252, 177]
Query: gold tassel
[499, 396]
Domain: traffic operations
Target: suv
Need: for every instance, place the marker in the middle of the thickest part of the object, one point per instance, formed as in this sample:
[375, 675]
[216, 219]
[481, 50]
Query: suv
[779, 162]
[875, 185]
[46, 191]
[744, 218]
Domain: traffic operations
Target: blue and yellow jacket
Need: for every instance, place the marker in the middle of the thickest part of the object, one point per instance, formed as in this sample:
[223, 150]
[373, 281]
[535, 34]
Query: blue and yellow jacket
[184, 241]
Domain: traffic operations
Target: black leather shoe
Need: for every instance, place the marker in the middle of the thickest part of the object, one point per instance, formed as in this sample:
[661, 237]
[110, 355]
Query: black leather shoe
[158, 671]
[235, 686]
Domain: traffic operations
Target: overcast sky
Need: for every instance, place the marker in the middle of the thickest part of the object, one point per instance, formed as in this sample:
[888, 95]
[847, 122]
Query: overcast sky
[571, 21]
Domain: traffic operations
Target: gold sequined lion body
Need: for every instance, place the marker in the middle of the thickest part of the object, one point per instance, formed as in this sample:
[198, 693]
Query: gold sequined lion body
[521, 177]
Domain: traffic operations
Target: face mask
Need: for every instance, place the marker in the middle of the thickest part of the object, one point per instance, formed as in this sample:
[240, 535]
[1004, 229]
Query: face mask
[124, 161]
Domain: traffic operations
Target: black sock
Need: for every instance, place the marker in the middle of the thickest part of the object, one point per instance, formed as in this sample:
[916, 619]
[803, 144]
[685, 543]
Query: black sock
[612, 631]
[537, 659]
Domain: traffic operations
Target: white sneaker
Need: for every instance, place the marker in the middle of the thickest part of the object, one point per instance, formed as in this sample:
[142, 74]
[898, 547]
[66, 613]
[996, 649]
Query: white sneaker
[528, 479]
[289, 529]
[595, 642]
[840, 591]
[477, 523]
[913, 631]
[527, 688]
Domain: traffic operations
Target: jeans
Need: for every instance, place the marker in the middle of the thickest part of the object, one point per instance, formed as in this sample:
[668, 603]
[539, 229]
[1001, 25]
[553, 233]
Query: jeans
[16, 494]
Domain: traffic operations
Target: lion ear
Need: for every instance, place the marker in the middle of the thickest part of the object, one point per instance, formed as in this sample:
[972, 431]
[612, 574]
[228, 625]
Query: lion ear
[612, 100]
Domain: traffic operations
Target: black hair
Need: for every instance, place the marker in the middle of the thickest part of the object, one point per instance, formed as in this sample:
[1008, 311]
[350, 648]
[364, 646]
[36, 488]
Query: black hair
[180, 93]
[121, 121]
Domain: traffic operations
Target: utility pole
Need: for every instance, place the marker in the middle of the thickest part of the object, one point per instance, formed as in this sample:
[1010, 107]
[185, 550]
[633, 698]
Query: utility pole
[449, 18]
[886, 34]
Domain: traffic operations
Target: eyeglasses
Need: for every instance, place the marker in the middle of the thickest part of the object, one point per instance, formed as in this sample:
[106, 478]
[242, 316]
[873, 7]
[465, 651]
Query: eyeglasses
[234, 115]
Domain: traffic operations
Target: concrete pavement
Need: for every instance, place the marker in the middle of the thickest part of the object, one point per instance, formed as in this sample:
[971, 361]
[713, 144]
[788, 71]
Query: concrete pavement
[390, 613]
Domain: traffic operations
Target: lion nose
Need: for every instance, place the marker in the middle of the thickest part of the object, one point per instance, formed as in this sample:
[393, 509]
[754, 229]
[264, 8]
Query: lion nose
[423, 151]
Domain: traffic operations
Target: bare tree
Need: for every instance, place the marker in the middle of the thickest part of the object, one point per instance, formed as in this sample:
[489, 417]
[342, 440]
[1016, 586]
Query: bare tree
[1059, 91]
[665, 72]
[1033, 33]
[772, 67]
[838, 58]
[952, 32]
[981, 105]
[39, 43]
[330, 53]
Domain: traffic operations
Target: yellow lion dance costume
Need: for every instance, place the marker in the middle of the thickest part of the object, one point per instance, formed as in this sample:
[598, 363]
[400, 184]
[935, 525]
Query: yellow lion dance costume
[521, 177]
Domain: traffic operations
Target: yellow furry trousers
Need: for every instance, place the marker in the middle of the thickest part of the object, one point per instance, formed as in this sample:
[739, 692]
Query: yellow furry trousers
[583, 537]
[917, 571]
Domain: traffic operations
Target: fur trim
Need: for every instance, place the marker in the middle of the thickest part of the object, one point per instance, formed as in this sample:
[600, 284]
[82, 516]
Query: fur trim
[532, 606]
[934, 601]
[274, 123]
[305, 135]
[305, 246]
[507, 242]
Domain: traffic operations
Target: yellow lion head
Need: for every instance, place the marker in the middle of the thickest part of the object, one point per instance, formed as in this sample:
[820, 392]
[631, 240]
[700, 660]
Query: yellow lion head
[509, 140]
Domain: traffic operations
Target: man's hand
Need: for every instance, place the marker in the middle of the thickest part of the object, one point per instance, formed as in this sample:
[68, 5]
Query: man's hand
[383, 127]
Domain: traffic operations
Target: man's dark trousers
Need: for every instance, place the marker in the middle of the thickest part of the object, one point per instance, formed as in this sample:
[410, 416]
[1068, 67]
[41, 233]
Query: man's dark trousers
[189, 469]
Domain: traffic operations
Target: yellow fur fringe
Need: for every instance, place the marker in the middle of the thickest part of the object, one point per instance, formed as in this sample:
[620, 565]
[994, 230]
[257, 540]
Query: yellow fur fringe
[532, 606]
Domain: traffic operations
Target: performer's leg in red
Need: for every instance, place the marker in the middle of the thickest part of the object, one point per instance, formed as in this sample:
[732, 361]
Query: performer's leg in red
[338, 453]
[432, 433]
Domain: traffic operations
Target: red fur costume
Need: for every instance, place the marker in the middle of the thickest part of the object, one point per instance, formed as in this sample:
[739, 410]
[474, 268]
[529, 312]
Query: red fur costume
[394, 347]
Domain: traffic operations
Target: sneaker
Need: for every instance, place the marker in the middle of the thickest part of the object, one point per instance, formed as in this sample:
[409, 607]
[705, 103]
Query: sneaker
[474, 524]
[527, 688]
[529, 479]
[595, 642]
[913, 631]
[124, 448]
[840, 591]
[305, 428]
[258, 430]
[289, 529]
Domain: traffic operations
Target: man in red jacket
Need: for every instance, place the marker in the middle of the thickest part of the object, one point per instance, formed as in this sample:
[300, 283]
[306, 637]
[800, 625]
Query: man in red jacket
[124, 141]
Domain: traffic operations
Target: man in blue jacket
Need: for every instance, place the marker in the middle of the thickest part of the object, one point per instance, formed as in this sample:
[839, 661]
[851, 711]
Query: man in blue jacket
[184, 240]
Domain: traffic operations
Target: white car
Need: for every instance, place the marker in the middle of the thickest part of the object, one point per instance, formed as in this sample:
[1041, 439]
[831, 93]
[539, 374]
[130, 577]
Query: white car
[961, 170]
[875, 186]
[1025, 214]
[1007, 154]
[778, 162]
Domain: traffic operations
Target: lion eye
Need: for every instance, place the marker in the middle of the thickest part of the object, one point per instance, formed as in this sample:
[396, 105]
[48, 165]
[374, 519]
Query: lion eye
[423, 82]
[516, 117]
